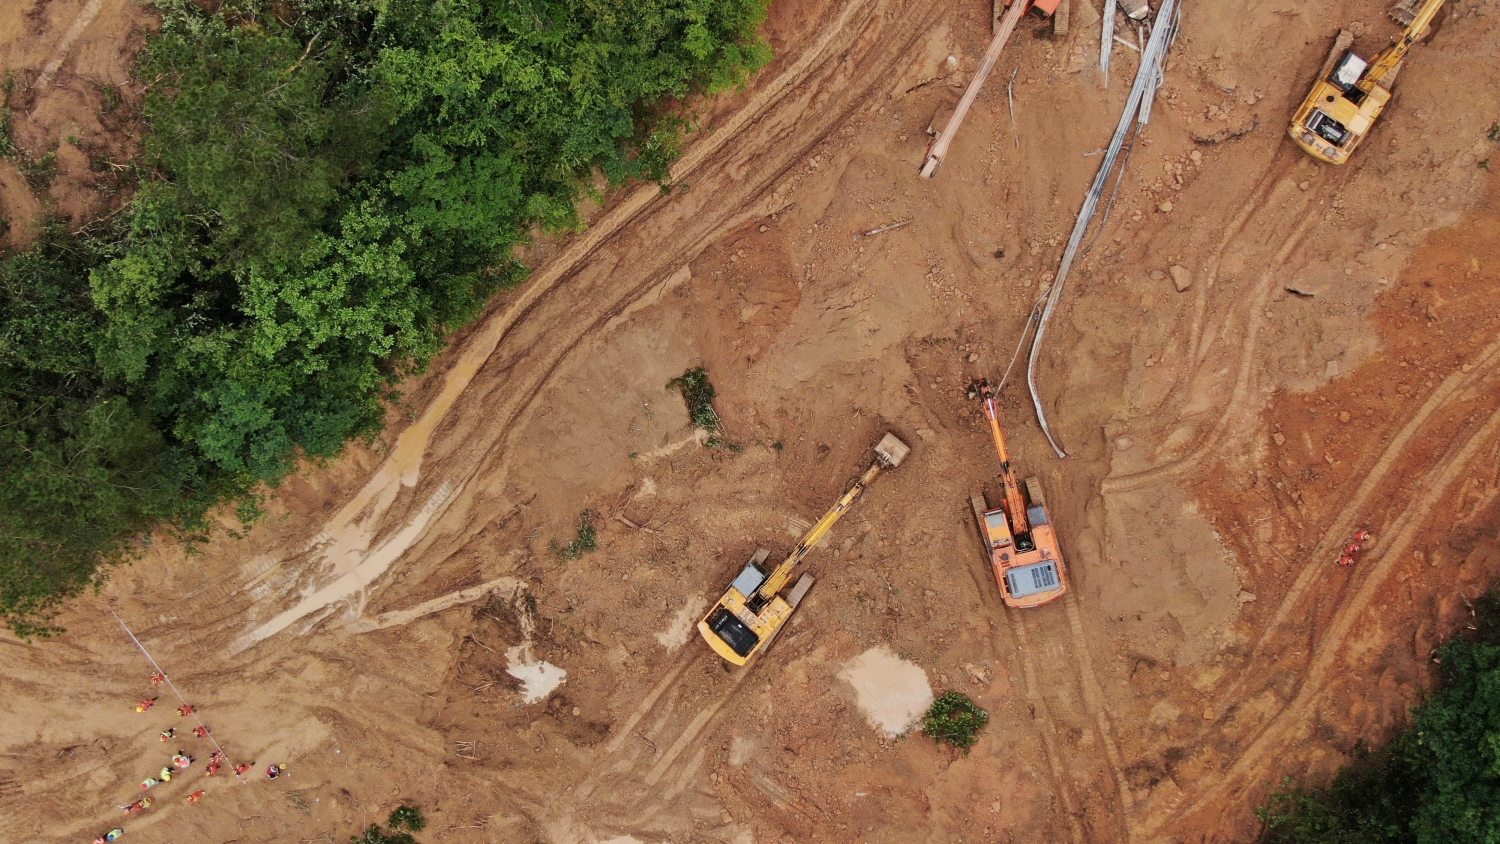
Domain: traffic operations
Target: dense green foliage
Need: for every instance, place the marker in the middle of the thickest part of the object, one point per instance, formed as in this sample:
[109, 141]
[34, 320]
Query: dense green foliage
[698, 393]
[330, 186]
[1438, 782]
[407, 816]
[954, 719]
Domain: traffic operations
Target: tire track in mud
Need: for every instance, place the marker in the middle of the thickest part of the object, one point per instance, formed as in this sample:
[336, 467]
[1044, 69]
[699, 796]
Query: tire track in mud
[1268, 201]
[522, 346]
[1001, 616]
[624, 790]
[1444, 396]
[1252, 764]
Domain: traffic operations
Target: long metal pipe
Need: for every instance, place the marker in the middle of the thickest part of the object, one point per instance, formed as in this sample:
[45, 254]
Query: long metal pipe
[1146, 80]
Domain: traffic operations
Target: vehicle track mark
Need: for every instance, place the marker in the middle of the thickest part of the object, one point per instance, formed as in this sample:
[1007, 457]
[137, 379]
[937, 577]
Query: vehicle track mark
[1093, 699]
[1412, 521]
[687, 657]
[1038, 702]
[1343, 525]
[1234, 410]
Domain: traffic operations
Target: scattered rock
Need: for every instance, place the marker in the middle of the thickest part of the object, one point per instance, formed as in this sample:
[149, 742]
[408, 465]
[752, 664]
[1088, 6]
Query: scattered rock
[1245, 597]
[1228, 134]
[1343, 416]
[926, 433]
[1165, 207]
[1304, 185]
[982, 676]
[973, 356]
[1331, 370]
[1157, 275]
[1196, 156]
[1181, 278]
[1278, 439]
[1124, 443]
[764, 228]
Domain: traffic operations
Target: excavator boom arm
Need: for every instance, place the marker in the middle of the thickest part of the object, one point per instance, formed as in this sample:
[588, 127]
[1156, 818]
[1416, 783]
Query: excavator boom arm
[1391, 56]
[815, 534]
[1015, 507]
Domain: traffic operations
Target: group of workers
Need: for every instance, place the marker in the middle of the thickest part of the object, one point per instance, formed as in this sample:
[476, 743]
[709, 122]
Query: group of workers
[180, 762]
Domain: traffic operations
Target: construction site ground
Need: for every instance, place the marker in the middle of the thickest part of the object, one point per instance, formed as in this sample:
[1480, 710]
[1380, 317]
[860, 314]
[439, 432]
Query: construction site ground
[1226, 435]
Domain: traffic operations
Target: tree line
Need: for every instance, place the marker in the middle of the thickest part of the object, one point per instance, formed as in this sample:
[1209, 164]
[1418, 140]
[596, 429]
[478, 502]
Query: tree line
[327, 188]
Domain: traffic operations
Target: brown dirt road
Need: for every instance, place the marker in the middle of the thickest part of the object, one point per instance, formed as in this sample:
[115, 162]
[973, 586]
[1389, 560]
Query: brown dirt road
[1226, 439]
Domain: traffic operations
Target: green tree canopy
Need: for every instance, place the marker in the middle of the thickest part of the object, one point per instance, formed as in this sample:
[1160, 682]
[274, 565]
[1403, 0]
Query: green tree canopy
[329, 188]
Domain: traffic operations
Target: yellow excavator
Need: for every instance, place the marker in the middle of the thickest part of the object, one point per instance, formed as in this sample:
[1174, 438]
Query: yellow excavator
[1351, 92]
[1018, 536]
[753, 610]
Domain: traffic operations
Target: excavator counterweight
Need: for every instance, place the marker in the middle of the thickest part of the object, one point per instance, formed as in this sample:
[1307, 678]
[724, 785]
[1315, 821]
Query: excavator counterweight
[754, 609]
[1350, 92]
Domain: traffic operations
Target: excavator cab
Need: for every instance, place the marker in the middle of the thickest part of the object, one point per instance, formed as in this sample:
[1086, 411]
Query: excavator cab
[1351, 92]
[753, 609]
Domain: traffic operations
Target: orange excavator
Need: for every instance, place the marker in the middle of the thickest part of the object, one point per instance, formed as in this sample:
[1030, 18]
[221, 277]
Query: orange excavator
[1018, 536]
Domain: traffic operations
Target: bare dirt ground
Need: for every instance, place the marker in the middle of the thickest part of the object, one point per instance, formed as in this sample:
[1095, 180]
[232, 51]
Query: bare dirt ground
[1226, 441]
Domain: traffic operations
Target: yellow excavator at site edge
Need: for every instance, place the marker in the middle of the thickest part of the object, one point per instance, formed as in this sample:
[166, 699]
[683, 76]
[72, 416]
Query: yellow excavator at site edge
[753, 610]
[1350, 93]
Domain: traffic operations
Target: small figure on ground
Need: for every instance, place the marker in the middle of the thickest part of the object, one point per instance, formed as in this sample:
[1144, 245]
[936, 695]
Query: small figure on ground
[216, 756]
[213, 768]
[240, 769]
[165, 775]
[273, 772]
[140, 805]
[112, 835]
[185, 710]
[200, 732]
[158, 678]
[145, 705]
[181, 760]
[148, 782]
[195, 797]
[1353, 547]
[167, 734]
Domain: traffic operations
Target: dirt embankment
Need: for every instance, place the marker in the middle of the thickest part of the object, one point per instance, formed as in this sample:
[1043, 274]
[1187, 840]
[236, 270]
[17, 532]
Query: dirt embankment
[378, 630]
[71, 107]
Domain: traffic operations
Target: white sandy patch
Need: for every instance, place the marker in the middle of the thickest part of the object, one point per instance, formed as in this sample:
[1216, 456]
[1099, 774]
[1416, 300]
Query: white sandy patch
[892, 692]
[676, 635]
[538, 677]
[741, 750]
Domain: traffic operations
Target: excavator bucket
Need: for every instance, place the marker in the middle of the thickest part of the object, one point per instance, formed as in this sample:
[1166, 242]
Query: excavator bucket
[1405, 11]
[891, 450]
